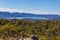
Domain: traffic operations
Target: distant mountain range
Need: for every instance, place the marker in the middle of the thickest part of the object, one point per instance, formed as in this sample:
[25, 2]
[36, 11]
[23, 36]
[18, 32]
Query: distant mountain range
[17, 15]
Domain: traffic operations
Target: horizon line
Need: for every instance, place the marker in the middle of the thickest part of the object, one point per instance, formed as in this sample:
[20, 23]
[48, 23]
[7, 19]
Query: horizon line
[25, 11]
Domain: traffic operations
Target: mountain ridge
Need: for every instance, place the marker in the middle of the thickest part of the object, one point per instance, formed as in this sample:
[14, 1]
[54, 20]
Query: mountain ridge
[27, 15]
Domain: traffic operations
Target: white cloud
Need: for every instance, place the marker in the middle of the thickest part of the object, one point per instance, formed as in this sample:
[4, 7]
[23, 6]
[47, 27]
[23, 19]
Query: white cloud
[10, 10]
[26, 11]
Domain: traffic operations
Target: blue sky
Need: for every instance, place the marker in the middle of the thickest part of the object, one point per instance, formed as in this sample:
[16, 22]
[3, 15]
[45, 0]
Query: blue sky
[33, 6]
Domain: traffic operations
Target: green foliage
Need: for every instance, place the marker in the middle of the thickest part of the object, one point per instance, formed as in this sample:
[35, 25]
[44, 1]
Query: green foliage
[44, 29]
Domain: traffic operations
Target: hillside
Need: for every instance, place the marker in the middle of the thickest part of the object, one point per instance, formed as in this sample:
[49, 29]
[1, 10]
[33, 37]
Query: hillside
[44, 29]
[18, 15]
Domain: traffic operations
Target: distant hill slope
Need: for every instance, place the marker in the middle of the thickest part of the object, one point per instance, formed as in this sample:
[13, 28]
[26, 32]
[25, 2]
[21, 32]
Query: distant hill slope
[17, 15]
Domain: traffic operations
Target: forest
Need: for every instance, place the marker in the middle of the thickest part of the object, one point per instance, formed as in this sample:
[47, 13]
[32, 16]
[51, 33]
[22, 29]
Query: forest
[44, 29]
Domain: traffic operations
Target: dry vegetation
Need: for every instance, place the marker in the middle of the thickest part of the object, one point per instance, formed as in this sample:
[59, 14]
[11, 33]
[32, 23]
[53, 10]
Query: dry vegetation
[44, 29]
